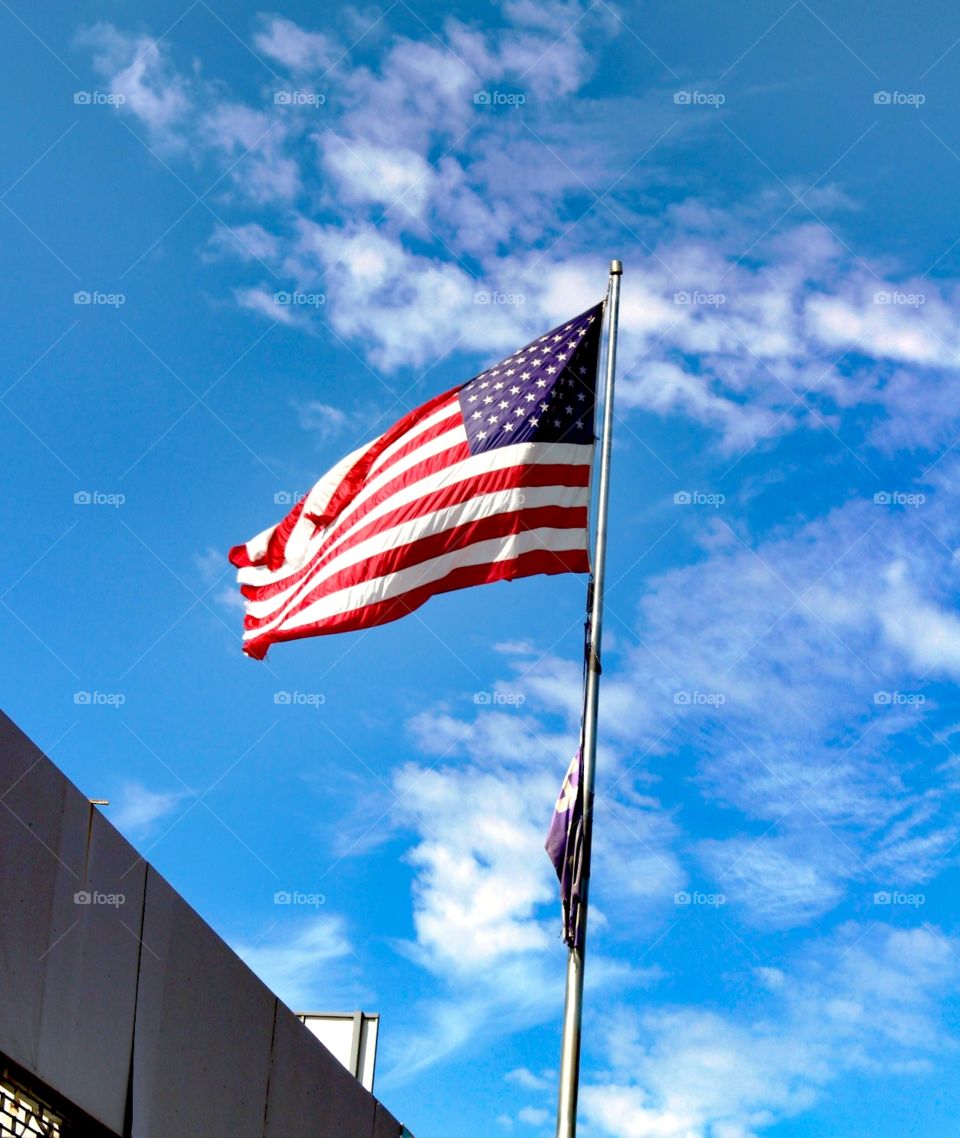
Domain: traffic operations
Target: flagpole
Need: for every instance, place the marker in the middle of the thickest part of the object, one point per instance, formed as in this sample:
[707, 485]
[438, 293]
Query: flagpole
[573, 1004]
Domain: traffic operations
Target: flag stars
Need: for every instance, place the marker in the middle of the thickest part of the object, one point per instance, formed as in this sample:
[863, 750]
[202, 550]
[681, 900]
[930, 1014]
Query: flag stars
[542, 393]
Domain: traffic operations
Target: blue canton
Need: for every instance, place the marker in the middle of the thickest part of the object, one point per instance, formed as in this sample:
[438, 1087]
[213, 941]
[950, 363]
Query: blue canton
[545, 393]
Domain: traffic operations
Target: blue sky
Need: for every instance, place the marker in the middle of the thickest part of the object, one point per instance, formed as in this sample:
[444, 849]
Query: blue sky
[773, 941]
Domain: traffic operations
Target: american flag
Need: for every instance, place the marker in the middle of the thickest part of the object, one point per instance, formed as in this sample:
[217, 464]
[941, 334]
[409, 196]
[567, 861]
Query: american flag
[487, 482]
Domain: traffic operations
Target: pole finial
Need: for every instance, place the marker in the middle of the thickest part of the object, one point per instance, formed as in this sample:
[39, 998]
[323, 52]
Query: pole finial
[616, 268]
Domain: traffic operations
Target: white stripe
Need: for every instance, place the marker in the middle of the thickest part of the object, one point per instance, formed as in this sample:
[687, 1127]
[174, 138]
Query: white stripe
[442, 412]
[450, 517]
[305, 539]
[456, 436]
[520, 454]
[503, 458]
[396, 584]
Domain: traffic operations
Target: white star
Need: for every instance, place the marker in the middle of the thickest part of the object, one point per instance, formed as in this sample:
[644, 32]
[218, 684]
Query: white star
[519, 411]
[551, 369]
[534, 422]
[556, 422]
[472, 399]
[581, 397]
[499, 386]
[507, 426]
[488, 399]
[511, 371]
[568, 409]
[493, 418]
[555, 338]
[529, 397]
[541, 383]
[514, 390]
[502, 404]
[525, 375]
[481, 434]
[477, 415]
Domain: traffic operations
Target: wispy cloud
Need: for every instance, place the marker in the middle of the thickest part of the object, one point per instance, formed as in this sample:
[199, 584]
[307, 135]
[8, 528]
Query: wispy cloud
[866, 1000]
[309, 963]
[136, 810]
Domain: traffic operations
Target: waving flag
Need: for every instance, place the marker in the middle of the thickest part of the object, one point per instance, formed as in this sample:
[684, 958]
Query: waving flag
[487, 482]
[564, 844]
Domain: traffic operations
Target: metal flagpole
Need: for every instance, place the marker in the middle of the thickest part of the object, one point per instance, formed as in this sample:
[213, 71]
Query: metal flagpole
[573, 1005]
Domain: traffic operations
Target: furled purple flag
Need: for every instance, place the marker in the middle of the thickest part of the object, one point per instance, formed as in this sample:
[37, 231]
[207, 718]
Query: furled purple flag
[564, 844]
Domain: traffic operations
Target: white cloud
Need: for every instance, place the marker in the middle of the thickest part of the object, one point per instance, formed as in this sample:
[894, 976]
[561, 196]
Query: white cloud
[420, 197]
[533, 1115]
[137, 810]
[323, 419]
[866, 1001]
[524, 1077]
[212, 564]
[295, 48]
[138, 69]
[263, 302]
[309, 968]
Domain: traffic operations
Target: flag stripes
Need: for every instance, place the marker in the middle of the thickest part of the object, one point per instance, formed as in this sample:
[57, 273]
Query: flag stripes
[422, 510]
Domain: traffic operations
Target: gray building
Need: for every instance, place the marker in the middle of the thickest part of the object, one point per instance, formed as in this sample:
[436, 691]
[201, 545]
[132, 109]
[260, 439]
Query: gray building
[131, 1018]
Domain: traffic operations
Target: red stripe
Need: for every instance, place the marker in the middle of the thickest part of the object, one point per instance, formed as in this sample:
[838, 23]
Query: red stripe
[454, 493]
[351, 485]
[441, 428]
[431, 465]
[528, 564]
[352, 481]
[460, 452]
[489, 481]
[436, 545]
[239, 556]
